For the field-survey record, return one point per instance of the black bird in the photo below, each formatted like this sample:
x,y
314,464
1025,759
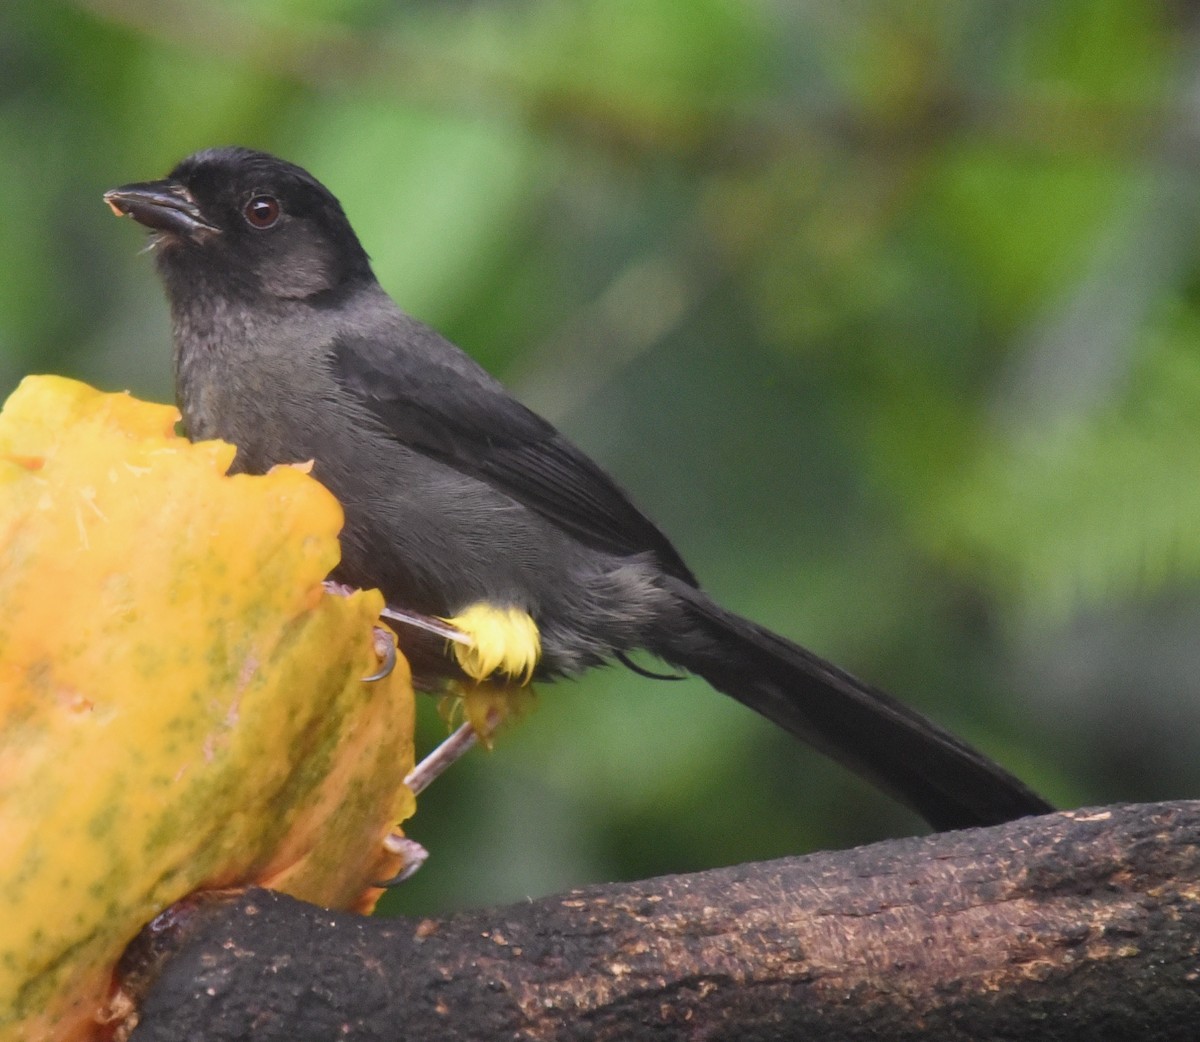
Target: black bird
x,y
458,496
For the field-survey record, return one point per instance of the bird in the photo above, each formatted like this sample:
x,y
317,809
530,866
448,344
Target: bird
x,y
462,503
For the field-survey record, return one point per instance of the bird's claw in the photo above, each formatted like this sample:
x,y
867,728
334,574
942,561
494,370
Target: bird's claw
x,y
414,857
385,648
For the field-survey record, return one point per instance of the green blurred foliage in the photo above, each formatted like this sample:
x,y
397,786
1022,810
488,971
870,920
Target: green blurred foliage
x,y
889,313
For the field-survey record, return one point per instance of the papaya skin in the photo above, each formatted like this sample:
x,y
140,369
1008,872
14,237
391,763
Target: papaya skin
x,y
181,702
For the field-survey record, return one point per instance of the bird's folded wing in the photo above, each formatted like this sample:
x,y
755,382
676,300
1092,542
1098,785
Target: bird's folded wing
x,y
441,404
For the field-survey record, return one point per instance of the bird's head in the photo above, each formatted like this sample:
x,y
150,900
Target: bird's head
x,y
247,225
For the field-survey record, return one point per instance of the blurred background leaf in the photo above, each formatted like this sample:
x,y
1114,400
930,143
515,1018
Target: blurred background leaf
x,y
888,313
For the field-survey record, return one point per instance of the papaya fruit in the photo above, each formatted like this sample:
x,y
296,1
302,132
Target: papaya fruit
x,y
182,702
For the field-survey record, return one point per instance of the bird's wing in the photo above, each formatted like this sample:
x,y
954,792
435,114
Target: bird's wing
x,y
445,406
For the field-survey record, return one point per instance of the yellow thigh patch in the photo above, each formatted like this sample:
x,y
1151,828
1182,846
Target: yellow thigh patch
x,y
503,640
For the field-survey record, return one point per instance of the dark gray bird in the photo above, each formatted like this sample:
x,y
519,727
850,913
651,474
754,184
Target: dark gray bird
x,y
456,495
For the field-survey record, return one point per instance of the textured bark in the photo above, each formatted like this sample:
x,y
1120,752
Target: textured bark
x,y
1082,925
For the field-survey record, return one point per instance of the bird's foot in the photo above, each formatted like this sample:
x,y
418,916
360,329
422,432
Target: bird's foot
x,y
485,714
410,850
384,639
427,623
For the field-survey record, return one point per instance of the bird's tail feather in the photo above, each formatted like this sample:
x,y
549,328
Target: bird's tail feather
x,y
925,767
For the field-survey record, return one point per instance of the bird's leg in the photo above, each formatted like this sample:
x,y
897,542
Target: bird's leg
x,y
428,623
450,751
446,629
486,707
485,713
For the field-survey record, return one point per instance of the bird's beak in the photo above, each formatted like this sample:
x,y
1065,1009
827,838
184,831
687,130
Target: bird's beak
x,y
165,206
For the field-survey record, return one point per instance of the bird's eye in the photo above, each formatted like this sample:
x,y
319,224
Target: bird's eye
x,y
262,211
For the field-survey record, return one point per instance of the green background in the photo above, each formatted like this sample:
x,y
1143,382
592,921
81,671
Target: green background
x,y
889,313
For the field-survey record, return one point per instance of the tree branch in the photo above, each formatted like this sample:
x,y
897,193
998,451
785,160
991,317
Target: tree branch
x,y
1082,925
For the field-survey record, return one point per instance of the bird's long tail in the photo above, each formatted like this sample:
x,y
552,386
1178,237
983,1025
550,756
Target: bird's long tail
x,y
923,766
